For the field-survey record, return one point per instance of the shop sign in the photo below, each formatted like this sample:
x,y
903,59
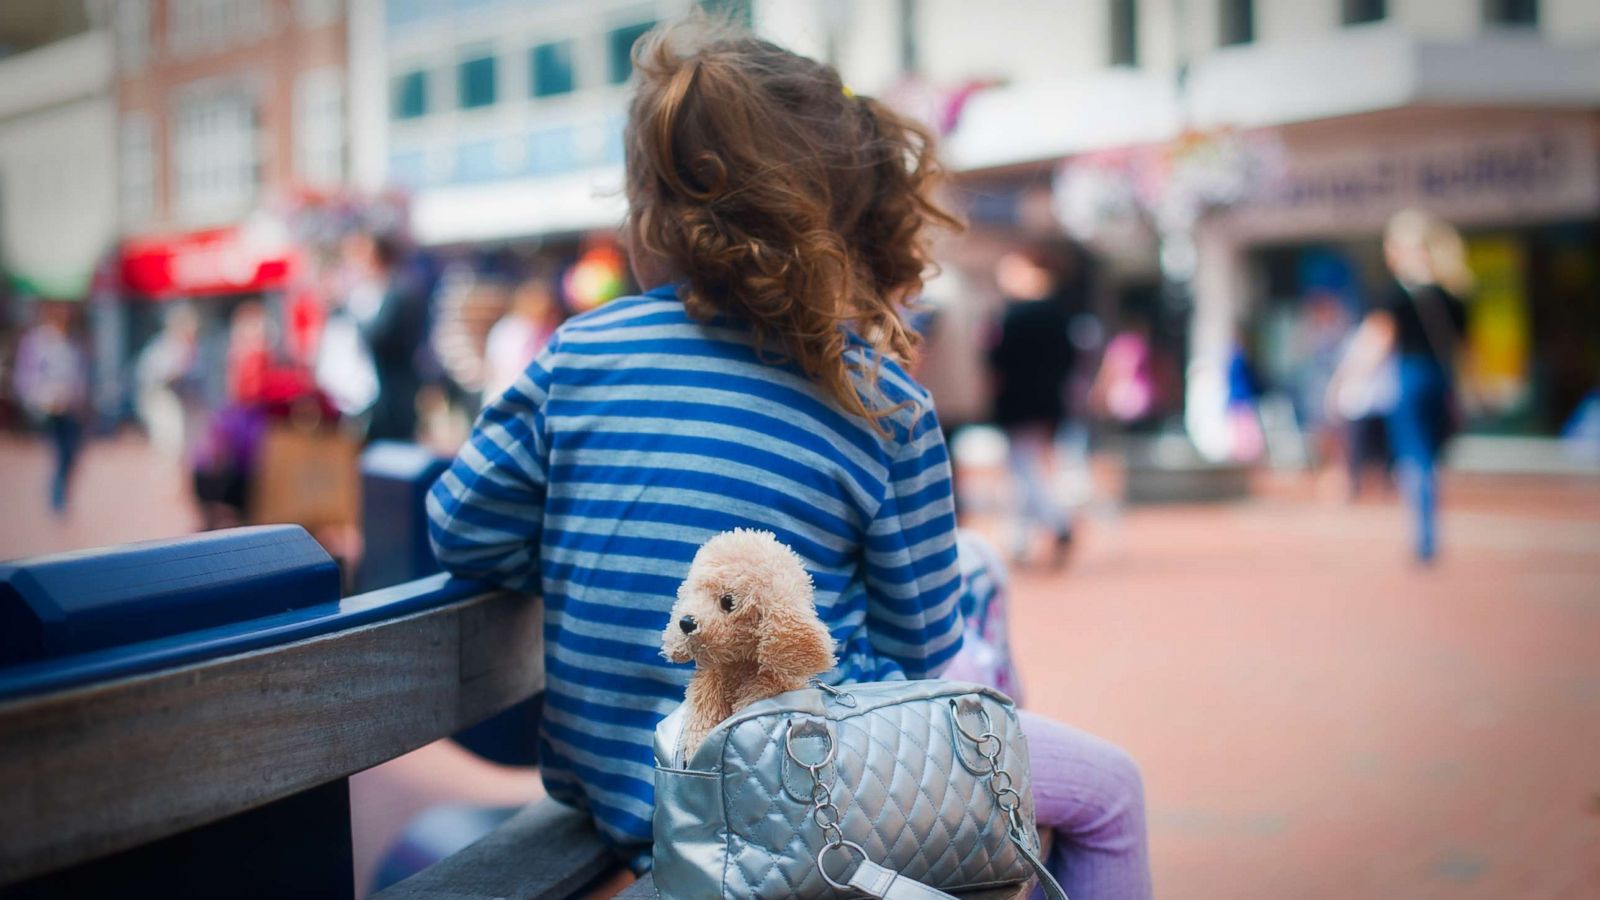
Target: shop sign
x,y
234,260
1470,177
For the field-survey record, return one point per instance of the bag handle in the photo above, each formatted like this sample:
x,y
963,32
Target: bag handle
x,y
878,881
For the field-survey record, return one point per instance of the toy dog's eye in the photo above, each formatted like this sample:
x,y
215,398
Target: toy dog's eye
x,y
727,602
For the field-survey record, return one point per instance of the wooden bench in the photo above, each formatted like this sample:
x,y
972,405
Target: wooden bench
x,y
216,758
207,761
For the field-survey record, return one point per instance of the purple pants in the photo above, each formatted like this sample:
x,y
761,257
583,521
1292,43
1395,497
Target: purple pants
x,y
1085,789
1088,792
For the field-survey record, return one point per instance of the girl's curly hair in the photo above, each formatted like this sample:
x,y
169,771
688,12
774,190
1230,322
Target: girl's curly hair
x,y
781,199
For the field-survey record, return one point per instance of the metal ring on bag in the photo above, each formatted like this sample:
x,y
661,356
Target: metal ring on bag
x,y
988,724
997,787
1000,800
838,845
843,698
788,747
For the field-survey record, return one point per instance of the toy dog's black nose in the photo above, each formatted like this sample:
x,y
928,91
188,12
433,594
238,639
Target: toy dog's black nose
x,y
688,624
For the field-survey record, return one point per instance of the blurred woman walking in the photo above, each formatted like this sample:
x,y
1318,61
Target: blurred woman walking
x,y
1419,323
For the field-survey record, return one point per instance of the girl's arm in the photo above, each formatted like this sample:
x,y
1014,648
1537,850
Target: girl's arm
x,y
486,512
913,579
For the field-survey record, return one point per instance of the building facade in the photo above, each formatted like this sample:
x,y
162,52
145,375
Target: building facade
x,y
1244,146
502,120
224,105
57,157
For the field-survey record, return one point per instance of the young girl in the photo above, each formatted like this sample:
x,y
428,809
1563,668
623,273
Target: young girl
x,y
779,221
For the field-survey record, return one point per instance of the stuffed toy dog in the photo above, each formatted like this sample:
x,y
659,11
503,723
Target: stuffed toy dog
x,y
746,617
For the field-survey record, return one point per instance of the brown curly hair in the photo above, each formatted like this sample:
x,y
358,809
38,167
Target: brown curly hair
x,y
780,198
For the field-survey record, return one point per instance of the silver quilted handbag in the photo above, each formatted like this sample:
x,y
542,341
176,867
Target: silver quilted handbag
x,y
898,789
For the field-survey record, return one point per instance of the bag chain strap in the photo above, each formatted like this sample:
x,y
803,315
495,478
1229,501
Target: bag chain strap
x,y
824,812
827,816
1005,796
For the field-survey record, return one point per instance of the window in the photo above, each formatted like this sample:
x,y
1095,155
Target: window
x,y
908,35
137,169
1357,12
550,69
475,82
132,25
1238,22
411,95
215,153
735,11
620,50
317,13
1511,12
200,27
319,126
1124,32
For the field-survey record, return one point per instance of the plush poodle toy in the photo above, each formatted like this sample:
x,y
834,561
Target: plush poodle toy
x,y
746,617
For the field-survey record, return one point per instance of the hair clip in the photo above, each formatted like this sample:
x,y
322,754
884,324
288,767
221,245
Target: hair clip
x,y
845,89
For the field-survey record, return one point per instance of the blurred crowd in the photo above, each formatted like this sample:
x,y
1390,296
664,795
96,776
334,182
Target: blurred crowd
x,y
267,400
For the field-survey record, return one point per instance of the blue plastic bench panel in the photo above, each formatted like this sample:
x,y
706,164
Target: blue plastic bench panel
x,y
395,479
238,637
71,603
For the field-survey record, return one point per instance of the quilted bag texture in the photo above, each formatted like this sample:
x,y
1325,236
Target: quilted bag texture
x,y
911,789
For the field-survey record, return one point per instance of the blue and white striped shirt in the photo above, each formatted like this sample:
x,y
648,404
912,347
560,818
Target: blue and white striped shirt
x,y
638,434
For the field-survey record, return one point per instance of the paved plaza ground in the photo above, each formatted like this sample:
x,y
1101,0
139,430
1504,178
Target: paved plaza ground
x,y
1315,716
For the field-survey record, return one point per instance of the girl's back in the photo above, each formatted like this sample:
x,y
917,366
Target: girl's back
x,y
638,434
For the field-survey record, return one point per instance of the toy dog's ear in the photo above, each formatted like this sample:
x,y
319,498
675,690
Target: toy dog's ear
x,y
794,644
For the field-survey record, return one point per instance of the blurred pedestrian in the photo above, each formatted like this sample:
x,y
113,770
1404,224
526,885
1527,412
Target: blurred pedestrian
x,y
1317,343
390,310
1125,388
1419,322
52,386
224,454
1031,361
166,376
521,333
249,353
1246,437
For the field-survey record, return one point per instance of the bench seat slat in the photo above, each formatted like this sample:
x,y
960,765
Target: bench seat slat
x,y
544,852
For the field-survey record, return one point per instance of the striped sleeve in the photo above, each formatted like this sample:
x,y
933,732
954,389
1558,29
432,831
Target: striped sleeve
x,y
913,578
486,512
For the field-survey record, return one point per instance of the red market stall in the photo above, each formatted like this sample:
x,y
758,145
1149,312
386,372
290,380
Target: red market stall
x,y
219,261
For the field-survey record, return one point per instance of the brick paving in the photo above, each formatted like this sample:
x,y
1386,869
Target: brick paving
x,y
1315,716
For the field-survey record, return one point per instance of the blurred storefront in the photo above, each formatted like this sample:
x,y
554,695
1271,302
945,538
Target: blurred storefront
x,y
212,272
1256,176
1524,187
229,117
